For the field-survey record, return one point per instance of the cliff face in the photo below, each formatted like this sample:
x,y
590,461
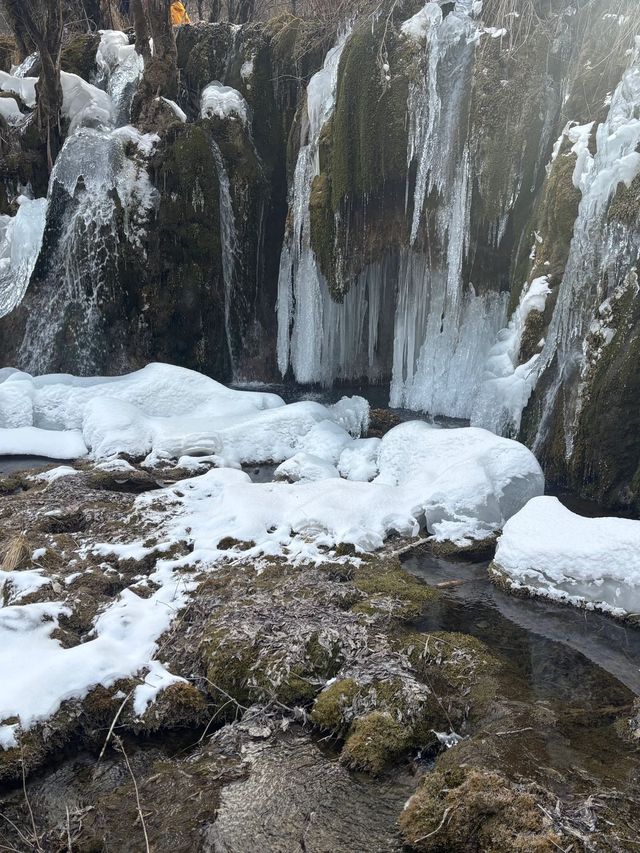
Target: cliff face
x,y
438,197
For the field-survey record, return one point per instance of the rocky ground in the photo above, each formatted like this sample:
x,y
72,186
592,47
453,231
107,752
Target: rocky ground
x,y
313,714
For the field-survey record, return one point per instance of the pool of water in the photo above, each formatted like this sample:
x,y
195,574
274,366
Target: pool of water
x,y
11,464
572,676
555,649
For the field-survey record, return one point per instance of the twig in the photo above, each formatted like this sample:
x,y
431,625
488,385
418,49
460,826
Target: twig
x,y
438,828
120,744
113,723
26,798
69,846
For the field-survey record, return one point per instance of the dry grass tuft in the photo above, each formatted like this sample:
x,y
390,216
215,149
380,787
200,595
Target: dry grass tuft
x,y
17,554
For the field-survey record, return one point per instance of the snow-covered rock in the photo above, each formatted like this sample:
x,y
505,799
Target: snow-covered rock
x,y
593,562
223,102
467,481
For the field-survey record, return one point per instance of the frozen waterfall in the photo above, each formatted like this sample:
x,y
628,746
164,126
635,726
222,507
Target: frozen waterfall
x,y
304,301
410,316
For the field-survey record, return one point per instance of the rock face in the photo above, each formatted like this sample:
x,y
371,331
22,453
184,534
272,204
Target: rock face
x,y
438,199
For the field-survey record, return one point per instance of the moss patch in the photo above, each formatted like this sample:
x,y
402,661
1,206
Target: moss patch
x,y
465,810
373,742
79,55
388,588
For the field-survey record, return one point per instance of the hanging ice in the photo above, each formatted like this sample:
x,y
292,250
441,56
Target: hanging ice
x,y
507,385
303,294
228,240
91,174
20,244
120,69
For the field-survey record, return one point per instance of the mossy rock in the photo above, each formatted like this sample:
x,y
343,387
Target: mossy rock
x,y
374,741
332,703
463,810
625,205
605,464
241,670
79,55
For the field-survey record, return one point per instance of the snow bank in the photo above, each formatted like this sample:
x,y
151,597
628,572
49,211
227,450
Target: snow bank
x,y
38,674
20,244
591,562
465,482
31,441
171,412
223,102
458,483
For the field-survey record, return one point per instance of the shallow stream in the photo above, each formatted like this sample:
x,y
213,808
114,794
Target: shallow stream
x,y
583,667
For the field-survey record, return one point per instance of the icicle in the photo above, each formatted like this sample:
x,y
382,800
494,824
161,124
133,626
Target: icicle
x,y
228,240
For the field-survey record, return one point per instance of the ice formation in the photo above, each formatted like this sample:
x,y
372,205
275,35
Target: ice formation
x,y
120,69
507,384
592,562
303,295
601,252
93,172
20,244
442,330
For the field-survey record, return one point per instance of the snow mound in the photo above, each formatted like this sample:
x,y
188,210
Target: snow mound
x,y
10,111
467,482
592,562
23,87
168,412
31,441
223,102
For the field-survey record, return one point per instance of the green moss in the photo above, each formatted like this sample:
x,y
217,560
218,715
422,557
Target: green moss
x,y
8,53
369,145
463,810
331,704
605,461
625,205
388,587
374,741
79,55
251,669
323,232
229,661
533,332
556,218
